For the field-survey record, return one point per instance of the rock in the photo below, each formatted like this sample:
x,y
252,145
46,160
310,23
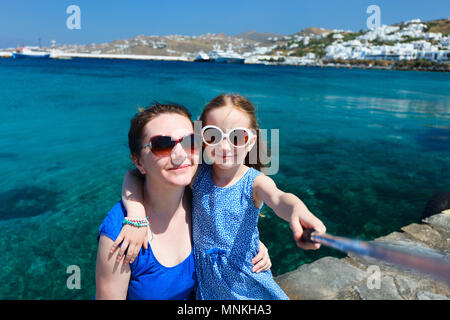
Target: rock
x,y
407,287
322,279
426,295
439,221
424,233
387,290
395,237
350,293
428,235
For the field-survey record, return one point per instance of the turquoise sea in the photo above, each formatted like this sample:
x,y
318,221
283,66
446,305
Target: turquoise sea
x,y
364,149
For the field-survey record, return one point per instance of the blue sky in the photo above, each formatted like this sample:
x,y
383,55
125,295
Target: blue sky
x,y
103,21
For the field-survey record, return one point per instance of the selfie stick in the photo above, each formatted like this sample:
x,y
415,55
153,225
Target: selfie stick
x,y
437,267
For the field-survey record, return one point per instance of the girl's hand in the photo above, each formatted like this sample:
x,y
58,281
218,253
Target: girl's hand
x,y
305,220
262,260
133,239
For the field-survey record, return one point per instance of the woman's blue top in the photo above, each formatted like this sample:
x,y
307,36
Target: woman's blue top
x,y
149,279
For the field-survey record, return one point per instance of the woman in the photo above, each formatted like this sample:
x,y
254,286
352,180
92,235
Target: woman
x,y
165,270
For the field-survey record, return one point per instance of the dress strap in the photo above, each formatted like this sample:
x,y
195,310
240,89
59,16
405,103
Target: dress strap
x,y
252,174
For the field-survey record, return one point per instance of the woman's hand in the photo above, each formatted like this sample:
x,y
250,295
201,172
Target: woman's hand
x,y
133,239
262,260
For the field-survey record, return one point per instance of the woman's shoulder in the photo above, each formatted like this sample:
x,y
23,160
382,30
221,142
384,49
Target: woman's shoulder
x,y
112,224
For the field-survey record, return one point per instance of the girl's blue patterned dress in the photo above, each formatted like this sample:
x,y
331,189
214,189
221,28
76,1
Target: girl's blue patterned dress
x,y
226,239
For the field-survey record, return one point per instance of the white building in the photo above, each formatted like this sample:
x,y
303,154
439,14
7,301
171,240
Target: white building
x,y
445,42
435,55
421,45
310,58
305,41
433,36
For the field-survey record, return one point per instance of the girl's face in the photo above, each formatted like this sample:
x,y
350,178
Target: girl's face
x,y
180,165
225,155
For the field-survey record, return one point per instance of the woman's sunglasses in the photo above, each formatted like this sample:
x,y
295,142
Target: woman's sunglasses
x,y
237,137
162,146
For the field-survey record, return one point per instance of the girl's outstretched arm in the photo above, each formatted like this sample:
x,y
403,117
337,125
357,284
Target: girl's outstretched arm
x,y
288,207
132,238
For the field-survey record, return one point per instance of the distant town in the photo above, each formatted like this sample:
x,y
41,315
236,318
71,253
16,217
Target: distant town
x,y
407,45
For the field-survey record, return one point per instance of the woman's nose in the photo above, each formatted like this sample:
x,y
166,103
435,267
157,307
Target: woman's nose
x,y
178,155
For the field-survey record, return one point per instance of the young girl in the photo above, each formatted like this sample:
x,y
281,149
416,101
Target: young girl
x,y
227,197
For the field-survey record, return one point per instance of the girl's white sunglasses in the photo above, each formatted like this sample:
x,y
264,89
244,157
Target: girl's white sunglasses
x,y
237,137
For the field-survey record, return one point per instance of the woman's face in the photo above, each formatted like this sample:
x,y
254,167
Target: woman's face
x,y
225,155
179,167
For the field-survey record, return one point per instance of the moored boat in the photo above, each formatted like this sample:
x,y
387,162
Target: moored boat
x,y
228,56
26,53
202,57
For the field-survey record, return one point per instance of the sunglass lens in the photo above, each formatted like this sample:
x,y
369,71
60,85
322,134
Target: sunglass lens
x,y
239,137
162,145
212,136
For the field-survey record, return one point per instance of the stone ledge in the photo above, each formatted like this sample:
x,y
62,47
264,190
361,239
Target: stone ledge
x,y
348,278
322,279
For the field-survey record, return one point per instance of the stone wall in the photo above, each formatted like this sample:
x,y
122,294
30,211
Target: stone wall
x,y
350,278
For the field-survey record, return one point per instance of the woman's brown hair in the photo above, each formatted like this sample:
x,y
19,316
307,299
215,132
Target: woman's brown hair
x,y
140,119
248,108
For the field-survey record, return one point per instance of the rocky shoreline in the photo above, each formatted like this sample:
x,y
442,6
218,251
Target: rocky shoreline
x,y
349,278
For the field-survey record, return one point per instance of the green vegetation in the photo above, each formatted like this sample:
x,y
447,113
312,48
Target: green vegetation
x,y
423,65
280,59
300,52
316,46
383,43
410,39
274,59
351,36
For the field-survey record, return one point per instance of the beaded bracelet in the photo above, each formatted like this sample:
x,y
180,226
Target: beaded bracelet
x,y
136,222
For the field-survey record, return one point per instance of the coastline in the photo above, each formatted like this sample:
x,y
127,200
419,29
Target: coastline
x,y
64,56
382,64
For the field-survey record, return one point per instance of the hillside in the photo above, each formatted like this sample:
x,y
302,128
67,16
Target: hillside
x,y
309,40
441,25
257,36
312,31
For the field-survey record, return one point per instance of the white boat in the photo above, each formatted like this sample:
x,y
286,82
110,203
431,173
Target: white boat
x,y
229,56
202,57
24,53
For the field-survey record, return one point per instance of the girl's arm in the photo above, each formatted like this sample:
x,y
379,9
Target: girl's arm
x,y
288,207
133,198
133,238
111,280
